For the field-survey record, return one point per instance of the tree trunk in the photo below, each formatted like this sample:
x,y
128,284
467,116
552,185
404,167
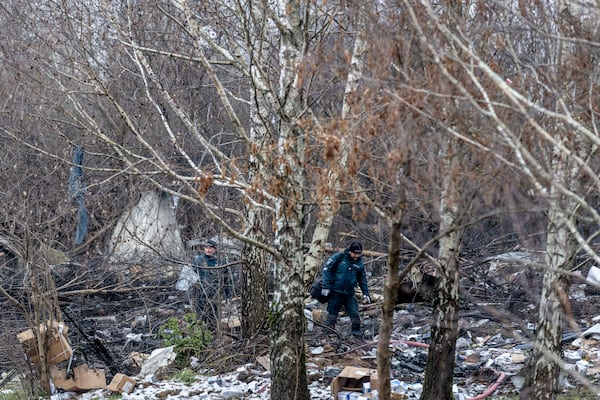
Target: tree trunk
x,y
390,291
288,357
255,302
314,257
254,280
560,251
287,323
439,372
561,241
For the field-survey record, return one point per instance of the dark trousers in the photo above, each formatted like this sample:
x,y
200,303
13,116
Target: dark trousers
x,y
338,300
205,303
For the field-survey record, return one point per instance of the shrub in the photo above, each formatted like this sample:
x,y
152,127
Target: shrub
x,y
188,335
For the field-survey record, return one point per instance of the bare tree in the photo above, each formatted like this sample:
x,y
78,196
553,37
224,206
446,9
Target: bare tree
x,y
469,98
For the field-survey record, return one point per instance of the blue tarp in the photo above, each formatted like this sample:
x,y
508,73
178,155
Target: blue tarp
x,y
76,192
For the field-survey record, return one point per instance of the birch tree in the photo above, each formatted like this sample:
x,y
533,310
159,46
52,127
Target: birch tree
x,y
329,200
567,161
439,372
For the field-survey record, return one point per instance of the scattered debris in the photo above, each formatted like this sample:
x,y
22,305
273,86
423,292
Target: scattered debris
x,y
122,383
497,326
593,276
354,380
7,377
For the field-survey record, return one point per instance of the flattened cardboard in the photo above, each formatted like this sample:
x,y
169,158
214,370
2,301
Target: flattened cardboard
x,y
59,348
352,378
122,383
27,337
83,379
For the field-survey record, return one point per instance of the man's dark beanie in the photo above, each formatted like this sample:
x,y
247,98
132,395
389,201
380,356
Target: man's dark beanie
x,y
355,247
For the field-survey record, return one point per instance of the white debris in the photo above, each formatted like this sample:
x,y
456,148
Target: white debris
x,y
594,330
593,276
158,358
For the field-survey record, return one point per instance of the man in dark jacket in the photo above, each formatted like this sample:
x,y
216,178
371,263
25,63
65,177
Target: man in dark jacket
x,y
207,259
212,278
341,274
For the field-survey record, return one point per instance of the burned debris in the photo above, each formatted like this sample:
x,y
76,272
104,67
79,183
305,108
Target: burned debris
x,y
112,329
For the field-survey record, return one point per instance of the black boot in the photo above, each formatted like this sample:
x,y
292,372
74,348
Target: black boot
x,y
330,324
356,329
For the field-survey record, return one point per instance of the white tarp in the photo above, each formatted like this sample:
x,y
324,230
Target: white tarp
x,y
149,229
160,357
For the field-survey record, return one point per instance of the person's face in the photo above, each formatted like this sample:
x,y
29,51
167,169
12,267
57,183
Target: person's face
x,y
354,256
209,250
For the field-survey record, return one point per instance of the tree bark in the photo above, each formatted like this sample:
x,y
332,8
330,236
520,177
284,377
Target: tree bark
x,y
560,251
327,209
439,372
255,289
288,357
390,292
254,303
287,323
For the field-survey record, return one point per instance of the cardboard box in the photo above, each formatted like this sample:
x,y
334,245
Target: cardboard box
x,y
319,315
122,383
83,379
27,338
59,350
351,379
58,347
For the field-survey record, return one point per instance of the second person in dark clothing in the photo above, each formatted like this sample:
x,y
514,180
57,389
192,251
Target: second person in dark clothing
x,y
214,283
342,272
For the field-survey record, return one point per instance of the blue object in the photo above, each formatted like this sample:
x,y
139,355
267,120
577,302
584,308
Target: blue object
x,y
76,192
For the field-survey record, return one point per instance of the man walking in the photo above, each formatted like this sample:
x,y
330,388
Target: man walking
x,y
342,272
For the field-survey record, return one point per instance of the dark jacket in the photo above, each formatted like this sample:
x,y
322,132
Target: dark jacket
x,y
203,260
210,276
342,274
